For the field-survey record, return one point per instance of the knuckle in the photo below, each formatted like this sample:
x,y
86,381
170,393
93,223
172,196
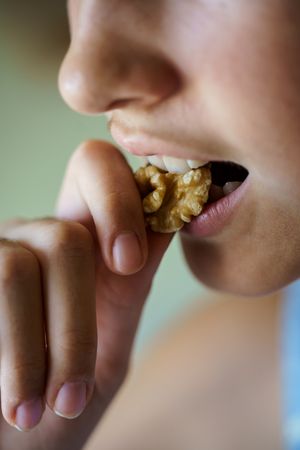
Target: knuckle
x,y
79,341
85,154
118,201
28,373
89,150
69,239
85,151
17,264
78,351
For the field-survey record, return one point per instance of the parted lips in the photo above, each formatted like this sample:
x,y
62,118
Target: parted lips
x,y
170,199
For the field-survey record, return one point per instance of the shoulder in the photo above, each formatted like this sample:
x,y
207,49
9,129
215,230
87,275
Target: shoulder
x,y
215,369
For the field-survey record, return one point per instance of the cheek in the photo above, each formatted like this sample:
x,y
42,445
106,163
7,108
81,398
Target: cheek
x,y
257,253
242,269
251,88
253,104
249,84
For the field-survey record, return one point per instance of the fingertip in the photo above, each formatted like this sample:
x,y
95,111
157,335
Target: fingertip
x,y
128,253
28,414
71,400
24,416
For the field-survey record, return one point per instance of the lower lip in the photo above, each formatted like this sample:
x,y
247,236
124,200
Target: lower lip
x,y
218,215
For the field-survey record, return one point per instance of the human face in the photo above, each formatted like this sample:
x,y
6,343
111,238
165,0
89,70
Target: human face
x,y
209,80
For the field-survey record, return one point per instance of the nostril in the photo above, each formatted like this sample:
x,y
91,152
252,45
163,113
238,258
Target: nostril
x,y
115,104
91,82
87,91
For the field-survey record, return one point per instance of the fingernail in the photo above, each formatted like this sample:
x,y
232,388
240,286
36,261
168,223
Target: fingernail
x,y
127,253
28,414
71,400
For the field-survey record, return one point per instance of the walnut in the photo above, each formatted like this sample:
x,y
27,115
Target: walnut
x,y
169,199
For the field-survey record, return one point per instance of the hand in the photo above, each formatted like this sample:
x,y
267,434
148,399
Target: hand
x,y
80,280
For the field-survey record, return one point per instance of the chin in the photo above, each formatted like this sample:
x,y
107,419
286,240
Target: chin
x,y
238,269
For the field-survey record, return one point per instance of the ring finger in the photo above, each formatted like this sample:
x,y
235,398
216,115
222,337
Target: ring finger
x,y
22,336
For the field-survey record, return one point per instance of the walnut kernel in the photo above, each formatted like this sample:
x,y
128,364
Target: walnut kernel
x,y
169,199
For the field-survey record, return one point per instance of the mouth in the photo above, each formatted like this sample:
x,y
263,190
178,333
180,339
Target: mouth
x,y
230,180
227,176
229,184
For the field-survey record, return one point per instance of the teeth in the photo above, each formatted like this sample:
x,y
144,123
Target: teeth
x,y
157,161
173,165
231,186
194,163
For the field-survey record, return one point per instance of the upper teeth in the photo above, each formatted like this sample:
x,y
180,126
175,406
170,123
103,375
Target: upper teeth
x,y
177,165
174,165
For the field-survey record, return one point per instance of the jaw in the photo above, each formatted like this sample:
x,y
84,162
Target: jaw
x,y
253,255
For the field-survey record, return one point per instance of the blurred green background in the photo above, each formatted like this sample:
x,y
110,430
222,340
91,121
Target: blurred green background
x,y
38,133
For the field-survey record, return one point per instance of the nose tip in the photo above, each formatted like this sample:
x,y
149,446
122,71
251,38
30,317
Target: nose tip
x,y
96,83
77,91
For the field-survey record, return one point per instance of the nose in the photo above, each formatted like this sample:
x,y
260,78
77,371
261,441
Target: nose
x,y
108,73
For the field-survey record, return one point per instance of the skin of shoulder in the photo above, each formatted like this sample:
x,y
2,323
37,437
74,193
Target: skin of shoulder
x,y
211,381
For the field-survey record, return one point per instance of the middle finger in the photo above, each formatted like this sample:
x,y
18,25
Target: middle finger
x,y
66,254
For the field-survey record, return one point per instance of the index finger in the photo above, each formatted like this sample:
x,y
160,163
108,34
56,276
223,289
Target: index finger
x,y
100,192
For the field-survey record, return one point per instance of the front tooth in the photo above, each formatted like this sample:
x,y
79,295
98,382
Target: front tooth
x,y
175,165
231,186
157,161
195,163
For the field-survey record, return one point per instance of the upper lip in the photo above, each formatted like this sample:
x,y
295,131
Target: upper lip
x,y
142,143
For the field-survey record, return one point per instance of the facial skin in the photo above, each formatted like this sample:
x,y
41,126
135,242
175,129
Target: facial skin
x,y
214,80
